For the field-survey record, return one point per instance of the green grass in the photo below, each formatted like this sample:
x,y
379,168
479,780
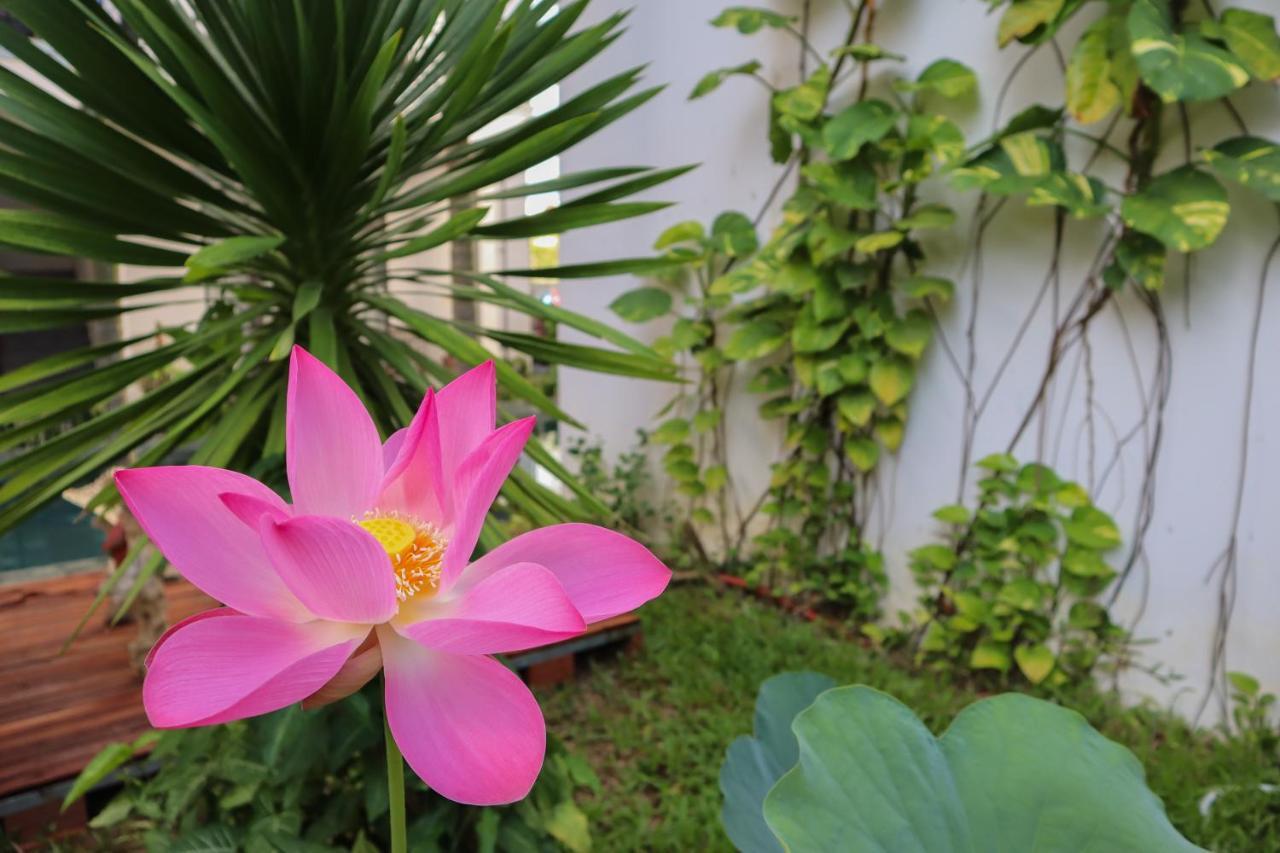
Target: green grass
x,y
654,726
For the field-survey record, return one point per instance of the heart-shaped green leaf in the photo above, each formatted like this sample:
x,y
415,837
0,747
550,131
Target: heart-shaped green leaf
x,y
857,407
642,304
755,340
671,431
712,79
911,334
878,241
805,101
750,19
1185,209
1179,66
689,231
1252,37
1249,161
928,216
1091,92
990,655
1092,528
733,234
851,128
891,379
889,432
952,514
948,78
1142,259
927,286
1023,17
809,335
1036,662
862,452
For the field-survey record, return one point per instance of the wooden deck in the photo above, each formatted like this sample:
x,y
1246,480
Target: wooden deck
x,y
57,711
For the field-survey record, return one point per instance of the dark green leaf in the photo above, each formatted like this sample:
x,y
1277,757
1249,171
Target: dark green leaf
x,y
712,80
232,251
750,19
642,304
1249,161
1185,209
848,130
755,340
946,77
1252,37
1179,66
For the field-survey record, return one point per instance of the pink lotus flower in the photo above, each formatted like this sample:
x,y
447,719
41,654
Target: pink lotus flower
x,y
370,569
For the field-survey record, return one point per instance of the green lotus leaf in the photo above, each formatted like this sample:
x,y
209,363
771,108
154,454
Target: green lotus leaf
x,y
753,764
1011,773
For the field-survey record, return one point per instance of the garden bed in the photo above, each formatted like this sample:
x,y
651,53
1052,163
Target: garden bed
x,y
655,726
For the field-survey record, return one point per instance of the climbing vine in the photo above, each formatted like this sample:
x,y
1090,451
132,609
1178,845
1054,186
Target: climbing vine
x,y
1016,581
1134,71
830,315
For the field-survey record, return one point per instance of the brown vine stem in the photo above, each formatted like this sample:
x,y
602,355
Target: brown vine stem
x,y
1144,142
868,36
850,36
1146,500
1227,562
803,34
1059,230
973,266
1063,336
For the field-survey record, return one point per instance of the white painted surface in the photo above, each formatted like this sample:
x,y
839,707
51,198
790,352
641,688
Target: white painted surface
x,y
1197,474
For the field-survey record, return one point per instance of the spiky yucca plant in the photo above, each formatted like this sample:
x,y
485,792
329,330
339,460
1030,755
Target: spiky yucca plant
x,y
284,151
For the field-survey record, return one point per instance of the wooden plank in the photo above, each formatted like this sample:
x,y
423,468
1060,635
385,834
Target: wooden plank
x,y
57,711
556,663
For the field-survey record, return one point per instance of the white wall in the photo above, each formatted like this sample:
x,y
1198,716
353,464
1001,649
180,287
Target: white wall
x,y
1200,456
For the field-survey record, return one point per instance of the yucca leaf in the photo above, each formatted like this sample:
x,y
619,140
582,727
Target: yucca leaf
x,y
564,182
567,218
631,187
231,251
53,234
17,293
599,269
62,362
572,319
585,357
466,349
282,152
34,319
457,226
